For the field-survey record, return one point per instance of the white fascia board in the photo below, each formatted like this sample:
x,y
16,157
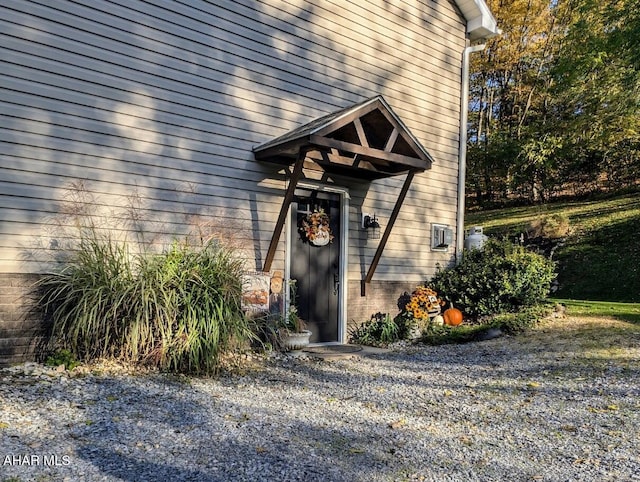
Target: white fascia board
x,y
481,24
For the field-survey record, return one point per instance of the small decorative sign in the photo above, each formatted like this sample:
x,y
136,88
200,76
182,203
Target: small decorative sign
x,y
255,291
276,282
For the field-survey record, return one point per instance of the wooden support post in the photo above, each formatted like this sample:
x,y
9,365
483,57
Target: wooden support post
x,y
387,232
282,217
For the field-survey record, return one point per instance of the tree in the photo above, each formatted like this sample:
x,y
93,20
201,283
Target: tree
x,y
597,85
555,100
509,93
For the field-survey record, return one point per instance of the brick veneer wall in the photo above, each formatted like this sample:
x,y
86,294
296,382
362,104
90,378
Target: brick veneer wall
x,y
381,296
20,328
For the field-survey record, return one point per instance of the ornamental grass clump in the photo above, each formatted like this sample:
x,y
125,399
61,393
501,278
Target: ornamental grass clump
x,y
190,308
178,310
89,300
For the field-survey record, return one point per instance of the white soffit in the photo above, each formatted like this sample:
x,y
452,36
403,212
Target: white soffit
x,y
481,24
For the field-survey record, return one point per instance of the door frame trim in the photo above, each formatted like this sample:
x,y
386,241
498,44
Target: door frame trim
x,y
344,252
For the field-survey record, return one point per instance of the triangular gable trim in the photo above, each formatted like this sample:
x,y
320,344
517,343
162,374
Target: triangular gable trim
x,y
367,136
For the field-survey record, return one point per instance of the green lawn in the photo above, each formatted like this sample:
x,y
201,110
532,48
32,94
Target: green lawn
x,y
601,257
621,311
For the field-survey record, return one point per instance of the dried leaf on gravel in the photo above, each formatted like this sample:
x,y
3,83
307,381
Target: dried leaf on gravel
x,y
398,423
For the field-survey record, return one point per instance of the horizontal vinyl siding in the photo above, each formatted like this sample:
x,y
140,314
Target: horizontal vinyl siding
x,y
223,64
166,100
109,60
407,255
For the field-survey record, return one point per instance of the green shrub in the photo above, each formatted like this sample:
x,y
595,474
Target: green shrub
x,y
62,357
524,319
449,335
508,323
499,277
379,330
553,226
178,310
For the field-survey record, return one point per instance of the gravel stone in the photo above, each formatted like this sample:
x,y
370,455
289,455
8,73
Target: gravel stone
x,y
489,411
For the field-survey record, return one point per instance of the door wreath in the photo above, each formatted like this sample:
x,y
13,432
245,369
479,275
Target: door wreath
x,y
314,228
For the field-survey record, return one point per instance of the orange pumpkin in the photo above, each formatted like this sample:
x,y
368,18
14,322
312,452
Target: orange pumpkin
x,y
453,317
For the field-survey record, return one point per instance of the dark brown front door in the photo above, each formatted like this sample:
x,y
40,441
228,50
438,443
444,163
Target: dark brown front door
x,y
316,268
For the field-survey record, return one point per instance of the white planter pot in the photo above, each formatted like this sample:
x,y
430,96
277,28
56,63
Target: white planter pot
x,y
296,341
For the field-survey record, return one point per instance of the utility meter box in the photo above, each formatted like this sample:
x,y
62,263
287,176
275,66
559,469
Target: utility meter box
x,y
441,237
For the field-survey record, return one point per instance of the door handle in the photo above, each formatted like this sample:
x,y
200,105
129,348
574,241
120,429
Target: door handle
x,y
336,283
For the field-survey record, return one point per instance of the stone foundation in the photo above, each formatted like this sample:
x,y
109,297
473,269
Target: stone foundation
x,y
21,329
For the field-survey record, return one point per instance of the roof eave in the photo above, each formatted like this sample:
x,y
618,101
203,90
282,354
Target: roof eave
x,y
481,24
481,28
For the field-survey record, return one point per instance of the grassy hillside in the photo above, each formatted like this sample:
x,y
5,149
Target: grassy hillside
x,y
600,259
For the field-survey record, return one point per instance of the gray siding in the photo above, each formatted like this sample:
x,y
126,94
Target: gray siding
x,y
166,100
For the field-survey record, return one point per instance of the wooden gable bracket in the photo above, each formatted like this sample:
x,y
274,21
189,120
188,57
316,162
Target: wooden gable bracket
x,y
387,232
284,209
379,154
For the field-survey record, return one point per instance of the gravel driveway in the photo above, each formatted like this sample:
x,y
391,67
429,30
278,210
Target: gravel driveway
x,y
508,409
